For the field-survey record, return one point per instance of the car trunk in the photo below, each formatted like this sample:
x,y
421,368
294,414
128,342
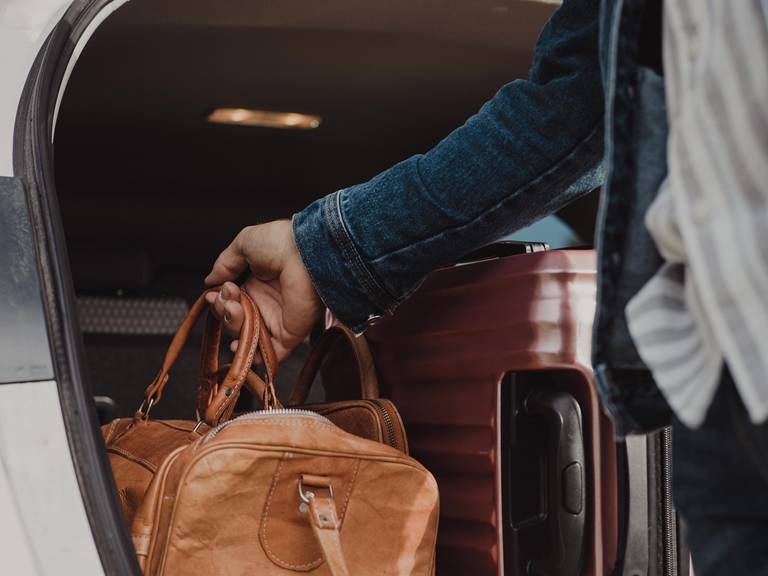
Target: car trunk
x,y
151,192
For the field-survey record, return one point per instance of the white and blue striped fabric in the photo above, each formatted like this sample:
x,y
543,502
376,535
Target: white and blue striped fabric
x,y
709,303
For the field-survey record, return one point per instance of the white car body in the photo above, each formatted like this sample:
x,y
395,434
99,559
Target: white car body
x,y
44,528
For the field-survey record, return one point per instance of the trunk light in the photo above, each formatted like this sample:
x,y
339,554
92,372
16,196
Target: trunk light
x,y
264,118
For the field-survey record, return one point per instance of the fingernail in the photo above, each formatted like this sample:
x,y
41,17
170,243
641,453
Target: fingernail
x,y
227,318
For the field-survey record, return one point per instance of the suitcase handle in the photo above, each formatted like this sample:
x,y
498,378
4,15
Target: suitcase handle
x,y
216,400
565,486
366,369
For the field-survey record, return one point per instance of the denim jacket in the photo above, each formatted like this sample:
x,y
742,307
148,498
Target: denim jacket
x,y
539,143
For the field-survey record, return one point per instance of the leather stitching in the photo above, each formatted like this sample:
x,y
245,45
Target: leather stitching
x,y
264,520
260,326
240,378
122,452
157,511
329,534
184,427
246,367
348,492
110,431
338,518
336,539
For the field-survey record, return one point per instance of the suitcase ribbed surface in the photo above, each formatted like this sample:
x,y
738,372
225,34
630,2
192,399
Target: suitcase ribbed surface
x,y
441,359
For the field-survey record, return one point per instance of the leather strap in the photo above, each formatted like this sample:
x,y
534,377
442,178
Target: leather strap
x,y
325,525
216,398
224,395
210,373
366,369
254,382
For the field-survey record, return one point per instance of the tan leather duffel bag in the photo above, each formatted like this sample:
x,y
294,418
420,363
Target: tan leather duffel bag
x,y
137,446
370,417
286,491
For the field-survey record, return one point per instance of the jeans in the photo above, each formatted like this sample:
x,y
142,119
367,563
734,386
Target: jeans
x,y
720,482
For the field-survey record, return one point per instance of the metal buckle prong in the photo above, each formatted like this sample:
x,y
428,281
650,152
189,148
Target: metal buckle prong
x,y
307,495
145,407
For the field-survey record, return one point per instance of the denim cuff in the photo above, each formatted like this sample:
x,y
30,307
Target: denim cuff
x,y
339,272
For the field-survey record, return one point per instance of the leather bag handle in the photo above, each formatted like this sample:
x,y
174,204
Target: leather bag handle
x,y
366,369
216,399
211,384
255,383
324,521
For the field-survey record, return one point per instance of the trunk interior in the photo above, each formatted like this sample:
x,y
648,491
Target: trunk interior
x,y
151,192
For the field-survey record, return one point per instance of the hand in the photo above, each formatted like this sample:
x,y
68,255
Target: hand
x,y
279,285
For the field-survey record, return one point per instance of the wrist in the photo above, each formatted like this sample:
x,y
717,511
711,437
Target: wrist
x,y
335,267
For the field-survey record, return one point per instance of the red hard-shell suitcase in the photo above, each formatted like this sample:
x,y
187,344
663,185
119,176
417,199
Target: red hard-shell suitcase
x,y
489,365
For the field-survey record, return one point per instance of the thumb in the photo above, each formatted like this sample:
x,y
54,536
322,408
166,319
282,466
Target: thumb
x,y
230,263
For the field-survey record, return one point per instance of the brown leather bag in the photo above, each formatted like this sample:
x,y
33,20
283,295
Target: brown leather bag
x,y
370,417
276,491
286,491
137,446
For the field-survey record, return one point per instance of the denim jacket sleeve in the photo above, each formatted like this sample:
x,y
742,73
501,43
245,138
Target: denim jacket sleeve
x,y
535,146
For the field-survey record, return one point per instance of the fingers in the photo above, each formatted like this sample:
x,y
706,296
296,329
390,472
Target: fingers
x,y
230,263
225,305
278,283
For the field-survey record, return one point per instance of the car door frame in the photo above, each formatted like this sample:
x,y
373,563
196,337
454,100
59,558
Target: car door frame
x,y
33,164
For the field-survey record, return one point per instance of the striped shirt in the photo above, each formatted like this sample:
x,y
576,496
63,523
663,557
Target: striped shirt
x,y
709,303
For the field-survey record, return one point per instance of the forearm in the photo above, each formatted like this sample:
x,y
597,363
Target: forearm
x,y
530,150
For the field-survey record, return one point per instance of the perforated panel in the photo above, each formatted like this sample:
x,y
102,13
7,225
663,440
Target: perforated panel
x,y
136,316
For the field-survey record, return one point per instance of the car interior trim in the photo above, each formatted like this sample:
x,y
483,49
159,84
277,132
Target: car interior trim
x,y
24,352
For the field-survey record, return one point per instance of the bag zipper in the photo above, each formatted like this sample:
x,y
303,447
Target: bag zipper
x,y
388,423
264,414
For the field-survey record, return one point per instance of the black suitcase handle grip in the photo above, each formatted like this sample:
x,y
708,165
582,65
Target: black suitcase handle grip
x,y
565,490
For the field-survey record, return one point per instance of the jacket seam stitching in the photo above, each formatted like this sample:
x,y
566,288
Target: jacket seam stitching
x,y
307,267
372,286
584,143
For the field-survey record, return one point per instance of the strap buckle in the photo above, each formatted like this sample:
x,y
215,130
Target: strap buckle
x,y
307,495
145,407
